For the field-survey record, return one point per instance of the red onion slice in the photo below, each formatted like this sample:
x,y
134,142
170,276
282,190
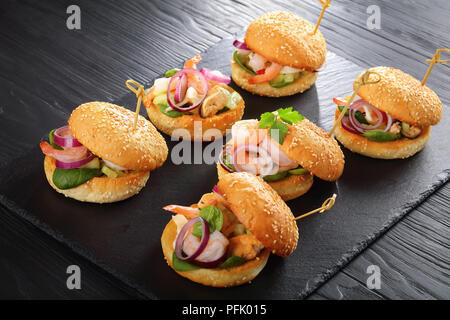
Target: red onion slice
x,y
346,124
240,45
114,166
63,138
180,91
74,164
180,239
209,74
215,189
390,121
361,127
180,106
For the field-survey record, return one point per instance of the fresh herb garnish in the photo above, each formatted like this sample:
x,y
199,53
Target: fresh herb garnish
x,y
360,117
232,261
213,217
171,72
290,116
341,108
71,178
239,60
180,265
276,122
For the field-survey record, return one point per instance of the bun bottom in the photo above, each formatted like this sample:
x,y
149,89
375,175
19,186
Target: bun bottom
x,y
288,188
101,189
240,77
397,149
228,277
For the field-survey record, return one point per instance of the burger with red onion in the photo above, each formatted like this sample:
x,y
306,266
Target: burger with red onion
x,y
389,119
283,148
226,238
279,56
189,97
98,157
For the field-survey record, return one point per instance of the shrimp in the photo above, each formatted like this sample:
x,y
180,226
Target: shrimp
x,y
278,156
214,250
188,212
271,72
192,62
66,155
245,246
253,162
247,132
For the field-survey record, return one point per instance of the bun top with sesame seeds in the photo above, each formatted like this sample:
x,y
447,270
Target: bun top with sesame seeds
x,y
261,210
287,39
403,97
107,131
314,149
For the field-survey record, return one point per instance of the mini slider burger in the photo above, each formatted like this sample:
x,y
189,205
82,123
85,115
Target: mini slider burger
x,y
280,55
226,239
186,97
389,119
98,157
283,148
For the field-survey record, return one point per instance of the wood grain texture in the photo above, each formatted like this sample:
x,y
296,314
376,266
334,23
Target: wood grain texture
x,y
44,65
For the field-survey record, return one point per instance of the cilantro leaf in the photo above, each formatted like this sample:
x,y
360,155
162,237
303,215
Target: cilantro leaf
x,y
278,130
267,120
290,116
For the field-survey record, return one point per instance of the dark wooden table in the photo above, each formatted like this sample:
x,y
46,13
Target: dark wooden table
x,y
45,65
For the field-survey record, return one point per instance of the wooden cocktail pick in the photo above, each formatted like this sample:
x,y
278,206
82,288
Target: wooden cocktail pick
x,y
327,205
325,4
436,59
362,81
138,89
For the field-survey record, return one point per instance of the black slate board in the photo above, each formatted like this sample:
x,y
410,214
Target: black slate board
x,y
124,237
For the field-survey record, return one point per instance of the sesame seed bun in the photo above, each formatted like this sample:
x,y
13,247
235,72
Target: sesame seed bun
x,y
261,210
288,188
316,151
303,83
221,121
397,149
106,130
101,189
287,39
403,97
216,277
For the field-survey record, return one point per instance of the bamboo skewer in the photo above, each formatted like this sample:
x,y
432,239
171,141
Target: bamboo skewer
x,y
327,205
138,89
325,4
436,59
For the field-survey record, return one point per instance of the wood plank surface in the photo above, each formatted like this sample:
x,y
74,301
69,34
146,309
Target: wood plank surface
x,y
45,65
